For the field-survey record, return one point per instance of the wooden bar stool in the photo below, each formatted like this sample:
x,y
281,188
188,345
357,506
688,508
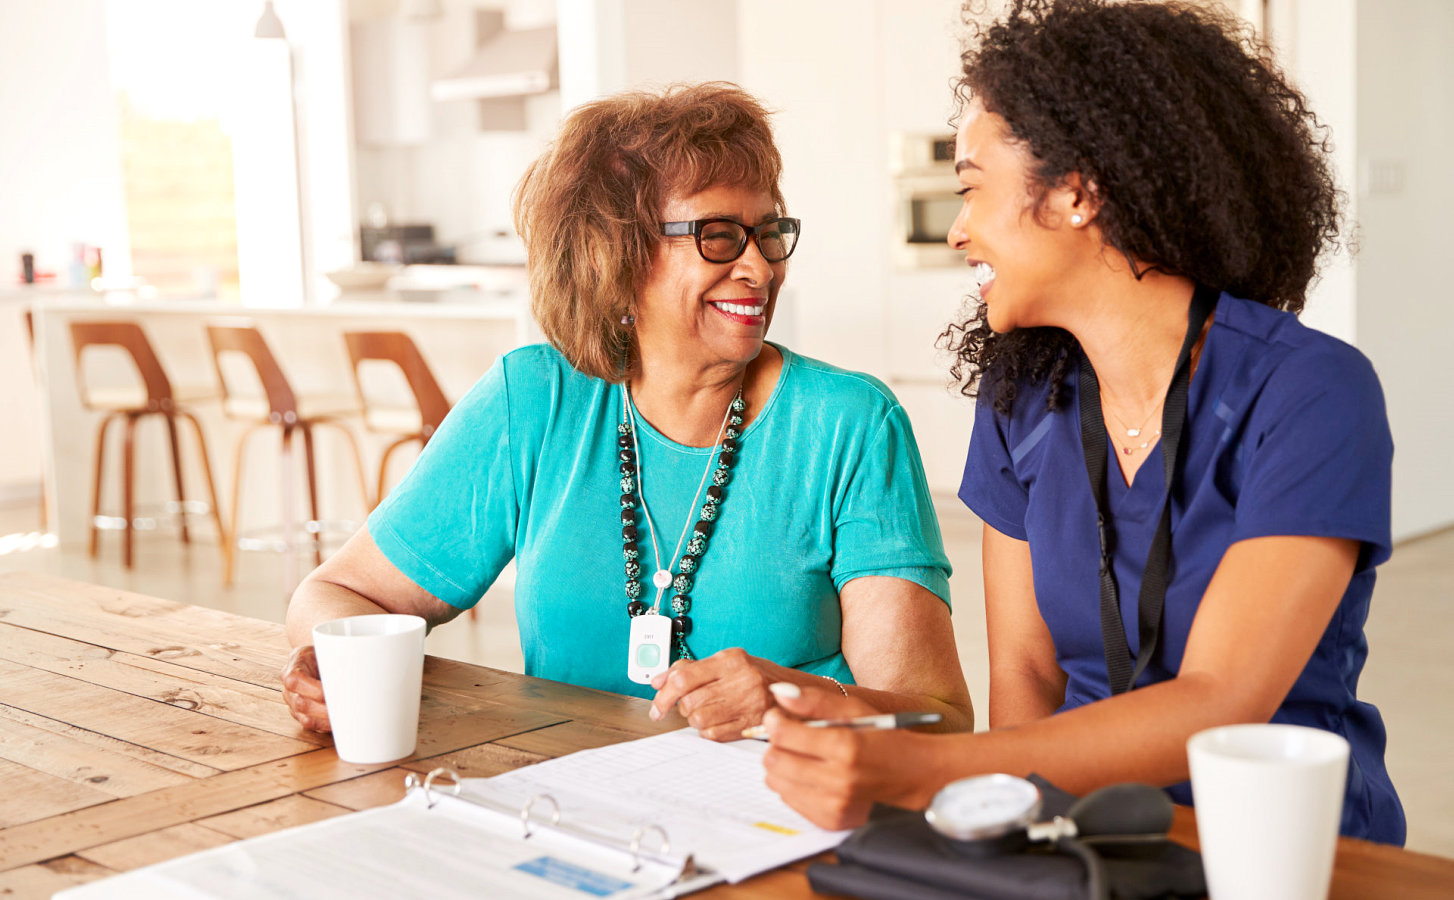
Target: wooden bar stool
x,y
280,407
156,398
406,423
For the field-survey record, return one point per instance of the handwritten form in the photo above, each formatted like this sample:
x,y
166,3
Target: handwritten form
x,y
709,798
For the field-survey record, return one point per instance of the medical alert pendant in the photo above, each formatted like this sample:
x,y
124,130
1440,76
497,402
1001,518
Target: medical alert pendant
x,y
649,652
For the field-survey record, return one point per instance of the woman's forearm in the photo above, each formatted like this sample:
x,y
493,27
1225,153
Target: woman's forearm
x,y
958,713
1018,697
317,601
1138,736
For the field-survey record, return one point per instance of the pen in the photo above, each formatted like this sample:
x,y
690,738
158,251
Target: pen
x,y
880,722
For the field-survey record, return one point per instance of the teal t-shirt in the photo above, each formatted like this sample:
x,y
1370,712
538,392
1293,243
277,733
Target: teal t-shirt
x,y
827,487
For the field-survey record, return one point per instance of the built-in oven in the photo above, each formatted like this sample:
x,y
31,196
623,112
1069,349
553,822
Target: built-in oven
x,y
925,199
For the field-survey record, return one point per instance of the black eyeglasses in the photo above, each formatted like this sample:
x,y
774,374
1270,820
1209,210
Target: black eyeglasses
x,y
724,241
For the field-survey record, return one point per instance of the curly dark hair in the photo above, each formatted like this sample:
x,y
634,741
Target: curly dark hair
x,y
1206,163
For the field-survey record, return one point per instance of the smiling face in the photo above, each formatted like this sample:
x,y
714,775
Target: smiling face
x,y
1024,262
703,313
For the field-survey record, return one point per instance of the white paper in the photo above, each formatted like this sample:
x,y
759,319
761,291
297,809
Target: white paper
x,y
453,850
709,797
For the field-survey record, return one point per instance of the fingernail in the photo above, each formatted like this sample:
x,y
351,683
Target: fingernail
x,y
655,714
785,690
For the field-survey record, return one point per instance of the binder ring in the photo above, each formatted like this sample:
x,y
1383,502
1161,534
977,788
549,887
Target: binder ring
x,y
412,781
640,833
525,812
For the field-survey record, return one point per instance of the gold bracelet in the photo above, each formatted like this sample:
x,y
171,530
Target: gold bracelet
x,y
836,683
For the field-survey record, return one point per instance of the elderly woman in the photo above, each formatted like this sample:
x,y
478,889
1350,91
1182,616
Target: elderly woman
x,y
659,461
1185,491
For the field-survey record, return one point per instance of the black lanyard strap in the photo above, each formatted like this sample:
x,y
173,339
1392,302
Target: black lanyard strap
x,y
1119,672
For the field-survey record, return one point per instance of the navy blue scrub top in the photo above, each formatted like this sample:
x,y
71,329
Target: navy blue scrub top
x,y
1286,435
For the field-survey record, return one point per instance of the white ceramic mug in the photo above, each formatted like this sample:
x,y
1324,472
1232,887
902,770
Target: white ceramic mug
x,y
1268,802
372,669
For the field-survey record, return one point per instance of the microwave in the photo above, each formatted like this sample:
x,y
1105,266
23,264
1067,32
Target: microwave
x,y
926,200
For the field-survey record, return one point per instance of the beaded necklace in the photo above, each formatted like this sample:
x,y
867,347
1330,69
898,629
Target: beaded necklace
x,y
631,496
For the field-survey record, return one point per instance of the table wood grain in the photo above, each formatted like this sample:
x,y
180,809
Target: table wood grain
x,y
134,730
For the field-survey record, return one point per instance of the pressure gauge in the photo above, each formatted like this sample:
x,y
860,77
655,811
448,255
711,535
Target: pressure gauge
x,y
984,807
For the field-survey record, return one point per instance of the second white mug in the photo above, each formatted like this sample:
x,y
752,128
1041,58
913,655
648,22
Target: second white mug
x,y
1269,799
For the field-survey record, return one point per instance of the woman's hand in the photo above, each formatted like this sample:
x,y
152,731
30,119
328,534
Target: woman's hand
x,y
303,691
833,776
719,695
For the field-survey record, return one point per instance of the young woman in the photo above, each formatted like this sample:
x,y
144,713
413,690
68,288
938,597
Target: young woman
x,y
1185,491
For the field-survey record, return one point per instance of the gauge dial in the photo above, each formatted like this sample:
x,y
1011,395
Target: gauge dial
x,y
985,806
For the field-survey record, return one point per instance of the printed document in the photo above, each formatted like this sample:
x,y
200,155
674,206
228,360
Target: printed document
x,y
705,800
709,798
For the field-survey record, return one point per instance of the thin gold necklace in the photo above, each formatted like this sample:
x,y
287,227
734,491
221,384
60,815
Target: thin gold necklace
x,y
1133,433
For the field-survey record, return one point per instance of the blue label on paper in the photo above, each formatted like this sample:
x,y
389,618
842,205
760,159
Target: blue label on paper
x,y
558,871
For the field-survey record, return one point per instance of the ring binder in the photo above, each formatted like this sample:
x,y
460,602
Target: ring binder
x,y
636,845
684,866
525,812
725,828
411,781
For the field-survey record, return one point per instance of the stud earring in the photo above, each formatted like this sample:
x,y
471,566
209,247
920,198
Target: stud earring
x,y
1076,218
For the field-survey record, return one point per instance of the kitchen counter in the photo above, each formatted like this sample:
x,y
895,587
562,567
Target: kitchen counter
x,y
20,408
494,305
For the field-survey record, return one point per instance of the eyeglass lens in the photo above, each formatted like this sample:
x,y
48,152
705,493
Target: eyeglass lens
x,y
725,241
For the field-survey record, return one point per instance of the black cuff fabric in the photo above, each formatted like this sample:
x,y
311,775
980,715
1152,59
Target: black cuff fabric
x,y
898,856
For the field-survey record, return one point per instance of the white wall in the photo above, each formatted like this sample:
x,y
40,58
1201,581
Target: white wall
x,y
60,177
1405,311
318,35
843,76
60,159
613,45
1316,42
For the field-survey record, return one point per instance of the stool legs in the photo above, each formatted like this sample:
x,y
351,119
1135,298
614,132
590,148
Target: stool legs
x,y
94,546
384,465
358,466
128,484
287,474
128,481
312,473
229,559
177,475
223,537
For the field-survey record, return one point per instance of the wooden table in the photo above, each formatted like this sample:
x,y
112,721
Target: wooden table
x,y
134,730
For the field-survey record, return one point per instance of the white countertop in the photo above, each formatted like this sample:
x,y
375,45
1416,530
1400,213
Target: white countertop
x,y
491,306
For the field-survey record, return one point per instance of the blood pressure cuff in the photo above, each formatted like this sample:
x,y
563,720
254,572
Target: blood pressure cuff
x,y
898,856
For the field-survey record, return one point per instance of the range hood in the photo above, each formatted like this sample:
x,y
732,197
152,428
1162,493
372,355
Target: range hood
x,y
505,64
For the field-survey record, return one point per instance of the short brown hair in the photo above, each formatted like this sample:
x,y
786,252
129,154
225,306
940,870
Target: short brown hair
x,y
589,208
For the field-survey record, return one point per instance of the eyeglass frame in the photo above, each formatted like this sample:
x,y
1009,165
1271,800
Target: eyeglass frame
x,y
694,228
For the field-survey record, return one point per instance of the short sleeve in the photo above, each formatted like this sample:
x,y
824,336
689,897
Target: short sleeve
x,y
450,525
990,487
1319,455
884,522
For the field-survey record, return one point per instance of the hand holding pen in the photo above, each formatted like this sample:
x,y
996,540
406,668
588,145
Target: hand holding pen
x,y
834,775
879,722
850,713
